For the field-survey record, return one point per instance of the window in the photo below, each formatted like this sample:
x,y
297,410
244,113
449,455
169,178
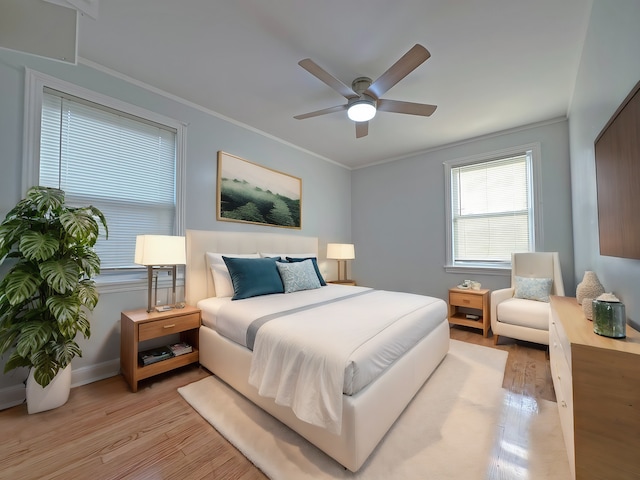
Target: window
x,y
108,154
490,209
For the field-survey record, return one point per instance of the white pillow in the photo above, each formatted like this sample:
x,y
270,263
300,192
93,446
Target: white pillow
x,y
221,278
285,255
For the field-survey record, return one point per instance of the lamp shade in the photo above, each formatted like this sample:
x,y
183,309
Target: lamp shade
x,y
160,250
341,251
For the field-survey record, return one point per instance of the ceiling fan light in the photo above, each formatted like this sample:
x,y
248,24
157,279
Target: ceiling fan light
x,y
361,111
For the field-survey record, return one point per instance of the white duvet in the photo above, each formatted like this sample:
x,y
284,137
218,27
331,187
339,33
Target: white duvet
x,y
300,358
401,320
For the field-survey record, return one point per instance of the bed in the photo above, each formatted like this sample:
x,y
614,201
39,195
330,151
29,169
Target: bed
x,y
368,409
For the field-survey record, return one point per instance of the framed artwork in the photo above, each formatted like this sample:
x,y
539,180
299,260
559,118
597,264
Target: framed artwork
x,y
251,193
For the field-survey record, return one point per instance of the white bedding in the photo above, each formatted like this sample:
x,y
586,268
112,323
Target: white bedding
x,y
376,328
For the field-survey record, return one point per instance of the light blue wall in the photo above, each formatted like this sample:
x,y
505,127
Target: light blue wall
x,y
609,69
326,195
399,213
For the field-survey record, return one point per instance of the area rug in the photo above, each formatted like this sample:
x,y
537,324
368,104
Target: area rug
x,y
454,428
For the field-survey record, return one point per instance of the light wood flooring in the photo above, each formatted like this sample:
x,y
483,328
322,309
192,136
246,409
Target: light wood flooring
x,y
106,432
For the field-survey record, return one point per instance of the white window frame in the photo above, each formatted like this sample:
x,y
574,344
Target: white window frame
x,y
487,268
35,82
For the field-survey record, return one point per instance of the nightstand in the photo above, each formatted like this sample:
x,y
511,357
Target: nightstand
x,y
343,282
139,325
474,302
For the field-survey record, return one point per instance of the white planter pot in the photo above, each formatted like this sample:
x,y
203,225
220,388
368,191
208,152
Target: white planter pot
x,y
52,396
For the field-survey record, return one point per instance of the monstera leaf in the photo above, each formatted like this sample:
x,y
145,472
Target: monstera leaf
x,y
61,275
43,200
80,225
35,335
20,284
88,293
38,246
88,260
65,310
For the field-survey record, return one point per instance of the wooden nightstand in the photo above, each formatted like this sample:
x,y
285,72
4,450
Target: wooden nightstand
x,y
475,302
343,282
139,325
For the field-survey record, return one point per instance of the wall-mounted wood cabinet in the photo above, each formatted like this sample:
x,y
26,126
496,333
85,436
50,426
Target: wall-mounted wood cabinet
x,y
617,151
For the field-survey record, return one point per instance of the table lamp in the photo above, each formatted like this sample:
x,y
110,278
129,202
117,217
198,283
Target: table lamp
x,y
160,252
341,252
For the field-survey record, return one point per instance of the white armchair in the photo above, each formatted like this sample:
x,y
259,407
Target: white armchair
x,y
521,318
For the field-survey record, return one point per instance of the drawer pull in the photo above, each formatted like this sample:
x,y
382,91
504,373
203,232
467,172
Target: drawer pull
x,y
563,403
169,326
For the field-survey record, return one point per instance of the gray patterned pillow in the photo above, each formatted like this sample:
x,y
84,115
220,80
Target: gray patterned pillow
x,y
533,288
298,276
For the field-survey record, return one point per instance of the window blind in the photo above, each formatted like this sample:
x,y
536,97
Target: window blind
x,y
491,210
121,164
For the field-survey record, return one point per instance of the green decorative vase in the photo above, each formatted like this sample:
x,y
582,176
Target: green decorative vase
x,y
609,319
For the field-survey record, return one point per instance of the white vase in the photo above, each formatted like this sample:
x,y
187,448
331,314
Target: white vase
x,y
587,308
40,399
589,287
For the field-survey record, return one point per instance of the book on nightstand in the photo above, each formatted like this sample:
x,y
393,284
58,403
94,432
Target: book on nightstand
x,y
155,355
181,348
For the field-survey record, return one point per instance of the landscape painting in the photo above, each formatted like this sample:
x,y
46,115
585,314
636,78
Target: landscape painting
x,y
251,193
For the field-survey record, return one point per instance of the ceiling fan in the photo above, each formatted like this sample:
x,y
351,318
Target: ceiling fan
x,y
363,98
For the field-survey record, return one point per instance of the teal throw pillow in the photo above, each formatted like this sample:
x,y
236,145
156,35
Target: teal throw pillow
x,y
253,276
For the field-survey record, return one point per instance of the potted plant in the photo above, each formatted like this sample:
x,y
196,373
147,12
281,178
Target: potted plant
x,y
48,292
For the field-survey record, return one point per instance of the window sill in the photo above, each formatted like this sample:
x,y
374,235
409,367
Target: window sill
x,y
129,282
479,269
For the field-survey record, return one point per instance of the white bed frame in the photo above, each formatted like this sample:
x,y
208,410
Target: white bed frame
x,y
366,416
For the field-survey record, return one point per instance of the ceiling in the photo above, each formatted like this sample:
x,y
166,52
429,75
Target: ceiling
x,y
495,64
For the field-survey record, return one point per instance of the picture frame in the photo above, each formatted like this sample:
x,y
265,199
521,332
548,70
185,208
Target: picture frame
x,y
251,193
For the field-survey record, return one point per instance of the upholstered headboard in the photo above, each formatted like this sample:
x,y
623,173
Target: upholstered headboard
x,y
198,279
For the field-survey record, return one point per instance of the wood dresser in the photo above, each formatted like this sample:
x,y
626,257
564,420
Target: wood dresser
x,y
597,384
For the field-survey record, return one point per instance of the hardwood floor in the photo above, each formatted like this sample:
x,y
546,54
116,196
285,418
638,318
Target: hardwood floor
x,y
106,432
527,372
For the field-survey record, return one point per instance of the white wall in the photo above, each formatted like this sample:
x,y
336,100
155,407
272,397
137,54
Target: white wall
x,y
399,213
609,69
326,196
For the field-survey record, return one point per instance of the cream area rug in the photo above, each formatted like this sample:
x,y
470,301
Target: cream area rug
x,y
456,427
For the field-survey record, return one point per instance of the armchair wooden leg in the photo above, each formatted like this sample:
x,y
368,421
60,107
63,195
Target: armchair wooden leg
x,y
495,339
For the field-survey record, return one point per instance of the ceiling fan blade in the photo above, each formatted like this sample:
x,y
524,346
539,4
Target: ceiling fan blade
x,y
324,111
397,106
317,71
403,67
362,129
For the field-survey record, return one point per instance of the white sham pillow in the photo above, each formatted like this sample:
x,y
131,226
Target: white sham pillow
x,y
284,255
220,272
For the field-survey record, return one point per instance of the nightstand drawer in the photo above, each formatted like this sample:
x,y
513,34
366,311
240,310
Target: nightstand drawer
x,y
465,300
168,326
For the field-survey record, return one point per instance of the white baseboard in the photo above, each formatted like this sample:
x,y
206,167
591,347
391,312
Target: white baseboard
x,y
12,396
93,373
15,394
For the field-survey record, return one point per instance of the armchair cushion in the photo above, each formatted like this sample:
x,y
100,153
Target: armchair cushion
x,y
533,288
525,313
